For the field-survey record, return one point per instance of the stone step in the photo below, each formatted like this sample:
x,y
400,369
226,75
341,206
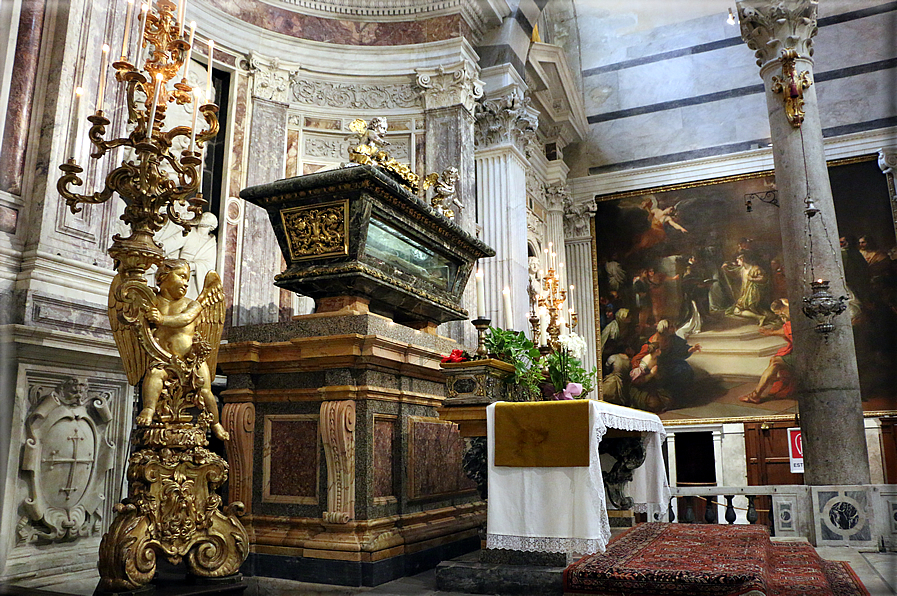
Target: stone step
x,y
730,367
761,347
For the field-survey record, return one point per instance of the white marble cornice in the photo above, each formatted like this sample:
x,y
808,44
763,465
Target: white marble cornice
x,y
446,86
555,87
771,26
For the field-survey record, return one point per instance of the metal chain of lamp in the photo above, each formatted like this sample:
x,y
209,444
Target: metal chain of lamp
x,y
820,306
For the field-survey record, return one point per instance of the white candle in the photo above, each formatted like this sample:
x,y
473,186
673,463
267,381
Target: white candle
x,y
144,8
572,308
509,318
152,118
202,159
481,295
181,10
193,126
550,252
124,42
101,90
209,77
190,49
73,130
543,326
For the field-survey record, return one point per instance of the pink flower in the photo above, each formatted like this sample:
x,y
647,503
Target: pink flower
x,y
569,392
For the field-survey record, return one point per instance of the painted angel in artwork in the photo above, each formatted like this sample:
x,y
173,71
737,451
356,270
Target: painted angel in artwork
x,y
173,346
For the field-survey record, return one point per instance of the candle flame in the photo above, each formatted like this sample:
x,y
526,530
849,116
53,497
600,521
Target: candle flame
x,y
105,48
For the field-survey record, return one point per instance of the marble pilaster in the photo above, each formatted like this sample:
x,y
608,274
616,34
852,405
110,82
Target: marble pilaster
x,y
505,126
18,115
578,254
831,412
449,96
257,299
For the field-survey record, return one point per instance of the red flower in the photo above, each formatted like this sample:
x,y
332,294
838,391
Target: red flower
x,y
455,356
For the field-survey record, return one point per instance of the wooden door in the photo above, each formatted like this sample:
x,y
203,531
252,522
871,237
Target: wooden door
x,y
889,448
766,444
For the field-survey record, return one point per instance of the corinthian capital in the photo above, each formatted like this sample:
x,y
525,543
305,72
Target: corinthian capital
x,y
450,86
771,26
557,197
576,218
887,160
270,77
505,120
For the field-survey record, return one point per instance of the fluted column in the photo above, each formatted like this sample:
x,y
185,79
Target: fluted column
x,y
503,129
555,199
831,412
578,254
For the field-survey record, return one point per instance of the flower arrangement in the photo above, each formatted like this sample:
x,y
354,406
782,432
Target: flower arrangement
x,y
548,377
456,356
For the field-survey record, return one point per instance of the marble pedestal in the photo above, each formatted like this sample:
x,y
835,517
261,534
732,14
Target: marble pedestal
x,y
348,474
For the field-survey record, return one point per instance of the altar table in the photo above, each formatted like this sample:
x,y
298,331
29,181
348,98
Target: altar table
x,y
563,509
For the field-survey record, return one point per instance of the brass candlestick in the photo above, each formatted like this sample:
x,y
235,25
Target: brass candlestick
x,y
552,299
534,323
168,343
481,325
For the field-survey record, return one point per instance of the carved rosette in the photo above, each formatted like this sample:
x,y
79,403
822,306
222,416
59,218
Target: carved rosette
x,y
338,438
576,218
770,28
443,87
507,120
65,460
239,420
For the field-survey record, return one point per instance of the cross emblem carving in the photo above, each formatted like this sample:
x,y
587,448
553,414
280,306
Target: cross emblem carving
x,y
73,461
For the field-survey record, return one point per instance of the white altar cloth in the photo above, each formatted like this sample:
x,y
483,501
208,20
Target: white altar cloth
x,y
563,509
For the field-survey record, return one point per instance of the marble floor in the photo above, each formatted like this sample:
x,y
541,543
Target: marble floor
x,y
877,571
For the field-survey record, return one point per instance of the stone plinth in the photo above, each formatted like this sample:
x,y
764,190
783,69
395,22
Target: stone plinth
x,y
350,475
358,232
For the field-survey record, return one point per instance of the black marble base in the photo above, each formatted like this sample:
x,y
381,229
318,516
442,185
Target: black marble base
x,y
164,584
354,573
470,576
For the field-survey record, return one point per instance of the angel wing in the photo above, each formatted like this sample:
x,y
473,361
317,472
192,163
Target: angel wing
x,y
429,180
211,319
123,317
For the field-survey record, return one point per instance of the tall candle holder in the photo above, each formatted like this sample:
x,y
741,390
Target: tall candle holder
x,y
552,298
481,325
168,343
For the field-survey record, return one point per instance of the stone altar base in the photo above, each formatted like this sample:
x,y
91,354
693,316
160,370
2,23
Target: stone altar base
x,y
348,474
503,571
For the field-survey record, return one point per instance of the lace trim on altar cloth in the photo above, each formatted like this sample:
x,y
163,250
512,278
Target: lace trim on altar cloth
x,y
546,545
634,424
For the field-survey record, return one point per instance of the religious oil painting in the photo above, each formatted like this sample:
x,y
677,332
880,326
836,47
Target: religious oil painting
x,y
693,307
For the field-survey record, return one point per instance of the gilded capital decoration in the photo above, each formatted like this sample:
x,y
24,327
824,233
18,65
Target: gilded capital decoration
x,y
576,218
65,460
791,87
507,120
338,437
446,86
772,27
168,342
270,80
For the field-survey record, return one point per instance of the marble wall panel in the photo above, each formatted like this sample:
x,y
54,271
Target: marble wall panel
x,y
290,459
67,315
292,164
315,28
9,219
434,459
384,443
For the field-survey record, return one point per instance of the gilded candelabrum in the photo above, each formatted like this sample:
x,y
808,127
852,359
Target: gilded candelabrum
x,y
552,298
168,343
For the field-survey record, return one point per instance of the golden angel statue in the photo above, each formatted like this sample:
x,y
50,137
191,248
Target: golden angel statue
x,y
169,347
444,195
369,135
178,341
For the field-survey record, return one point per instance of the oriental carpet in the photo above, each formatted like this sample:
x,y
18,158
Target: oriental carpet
x,y
659,559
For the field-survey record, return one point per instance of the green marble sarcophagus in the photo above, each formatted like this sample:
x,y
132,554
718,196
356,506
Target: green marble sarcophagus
x,y
357,232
